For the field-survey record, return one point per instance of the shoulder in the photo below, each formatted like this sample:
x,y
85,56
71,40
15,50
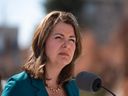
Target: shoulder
x,y
20,76
16,84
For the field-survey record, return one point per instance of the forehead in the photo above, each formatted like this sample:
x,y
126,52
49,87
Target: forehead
x,y
63,28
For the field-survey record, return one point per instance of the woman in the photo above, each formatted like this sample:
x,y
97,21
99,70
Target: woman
x,y
49,70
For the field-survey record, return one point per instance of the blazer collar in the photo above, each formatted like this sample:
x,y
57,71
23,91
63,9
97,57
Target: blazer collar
x,y
40,86
70,89
41,90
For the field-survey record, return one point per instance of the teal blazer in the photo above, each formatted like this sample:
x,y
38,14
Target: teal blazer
x,y
23,85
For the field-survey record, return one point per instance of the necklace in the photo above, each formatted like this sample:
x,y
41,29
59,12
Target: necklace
x,y
54,90
57,90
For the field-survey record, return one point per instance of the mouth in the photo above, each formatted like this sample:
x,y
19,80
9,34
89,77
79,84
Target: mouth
x,y
63,54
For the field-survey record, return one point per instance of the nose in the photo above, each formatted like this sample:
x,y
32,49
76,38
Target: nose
x,y
65,44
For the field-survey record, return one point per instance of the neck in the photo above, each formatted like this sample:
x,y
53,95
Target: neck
x,y
52,73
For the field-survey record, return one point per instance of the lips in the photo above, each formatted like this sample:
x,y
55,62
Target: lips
x,y
64,54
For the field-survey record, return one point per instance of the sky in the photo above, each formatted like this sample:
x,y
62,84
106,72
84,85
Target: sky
x,y
24,14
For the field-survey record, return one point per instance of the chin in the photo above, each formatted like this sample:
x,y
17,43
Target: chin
x,y
64,62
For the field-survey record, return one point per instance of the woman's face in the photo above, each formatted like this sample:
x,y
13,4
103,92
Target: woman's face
x,y
61,44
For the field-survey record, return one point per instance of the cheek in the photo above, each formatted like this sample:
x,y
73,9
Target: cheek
x,y
73,49
51,48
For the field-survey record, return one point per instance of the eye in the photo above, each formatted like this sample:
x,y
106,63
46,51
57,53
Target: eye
x,y
58,37
72,40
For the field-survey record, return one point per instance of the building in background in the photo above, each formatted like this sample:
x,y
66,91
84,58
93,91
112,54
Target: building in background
x,y
10,55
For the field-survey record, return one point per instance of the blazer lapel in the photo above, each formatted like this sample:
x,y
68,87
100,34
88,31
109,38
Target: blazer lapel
x,y
68,89
71,89
40,86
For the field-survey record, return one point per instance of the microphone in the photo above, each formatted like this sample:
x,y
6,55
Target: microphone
x,y
88,81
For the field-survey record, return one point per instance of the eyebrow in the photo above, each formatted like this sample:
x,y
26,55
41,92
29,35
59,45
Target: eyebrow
x,y
72,36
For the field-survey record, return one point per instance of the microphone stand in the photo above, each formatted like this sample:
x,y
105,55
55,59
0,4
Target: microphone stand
x,y
108,90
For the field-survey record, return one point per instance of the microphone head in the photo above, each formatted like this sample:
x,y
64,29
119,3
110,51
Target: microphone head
x,y
88,81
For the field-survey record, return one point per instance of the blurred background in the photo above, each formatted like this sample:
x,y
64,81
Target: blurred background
x,y
104,29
